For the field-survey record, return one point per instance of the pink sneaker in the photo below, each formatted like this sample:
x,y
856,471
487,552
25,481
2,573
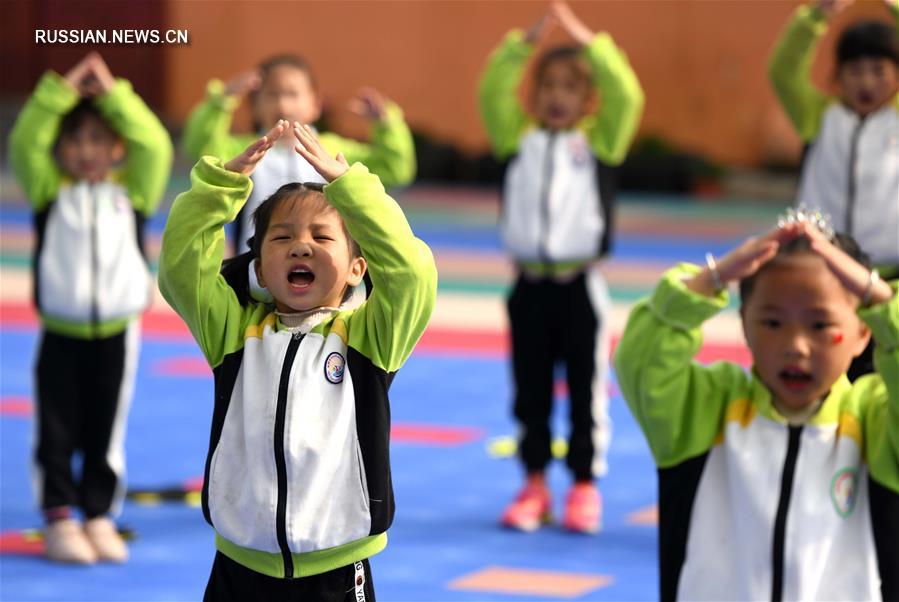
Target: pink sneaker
x,y
583,509
529,511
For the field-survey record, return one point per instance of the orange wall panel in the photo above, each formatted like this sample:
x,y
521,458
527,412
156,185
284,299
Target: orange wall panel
x,y
703,64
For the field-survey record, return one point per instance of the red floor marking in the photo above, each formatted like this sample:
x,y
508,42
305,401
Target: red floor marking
x,y
648,516
163,325
442,436
29,543
194,484
552,584
182,366
15,406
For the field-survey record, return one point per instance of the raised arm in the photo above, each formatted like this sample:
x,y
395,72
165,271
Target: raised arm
x,y
388,325
34,134
208,128
613,128
391,153
193,247
791,66
504,117
148,161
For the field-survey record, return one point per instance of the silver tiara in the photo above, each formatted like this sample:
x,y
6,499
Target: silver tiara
x,y
813,216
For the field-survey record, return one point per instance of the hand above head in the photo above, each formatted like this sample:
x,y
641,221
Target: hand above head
x,y
831,8
246,162
855,277
742,262
100,80
243,83
543,25
573,26
368,104
90,77
311,149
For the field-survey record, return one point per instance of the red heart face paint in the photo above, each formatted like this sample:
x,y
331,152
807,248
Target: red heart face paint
x,y
837,338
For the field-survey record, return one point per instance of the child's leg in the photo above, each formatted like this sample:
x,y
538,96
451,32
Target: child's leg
x,y
57,374
60,364
231,581
586,356
532,318
108,388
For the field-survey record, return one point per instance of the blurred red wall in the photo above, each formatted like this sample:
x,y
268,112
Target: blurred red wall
x,y
703,64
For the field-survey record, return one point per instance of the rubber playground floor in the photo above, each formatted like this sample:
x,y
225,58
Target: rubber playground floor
x,y
453,436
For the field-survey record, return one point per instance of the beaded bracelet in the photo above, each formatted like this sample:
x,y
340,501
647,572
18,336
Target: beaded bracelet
x,y
873,279
713,270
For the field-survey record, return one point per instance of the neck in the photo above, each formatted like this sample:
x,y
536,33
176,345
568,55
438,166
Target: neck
x,y
306,320
797,416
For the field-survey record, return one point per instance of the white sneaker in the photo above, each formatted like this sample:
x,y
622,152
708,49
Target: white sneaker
x,y
105,539
64,541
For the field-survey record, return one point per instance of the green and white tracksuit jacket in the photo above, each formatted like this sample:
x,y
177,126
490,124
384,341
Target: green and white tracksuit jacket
x,y
297,479
390,155
851,170
91,278
751,508
557,211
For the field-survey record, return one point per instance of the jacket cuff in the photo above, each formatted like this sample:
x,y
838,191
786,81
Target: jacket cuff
x,y
54,93
883,320
215,94
680,307
116,95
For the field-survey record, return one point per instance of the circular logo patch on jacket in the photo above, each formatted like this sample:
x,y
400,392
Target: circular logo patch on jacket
x,y
334,367
843,489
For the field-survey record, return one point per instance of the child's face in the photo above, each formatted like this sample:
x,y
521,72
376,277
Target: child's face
x,y
562,95
90,151
868,83
287,93
306,260
801,326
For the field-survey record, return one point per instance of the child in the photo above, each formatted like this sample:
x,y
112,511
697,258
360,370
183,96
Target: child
x,y
91,284
782,483
303,373
557,222
851,168
284,87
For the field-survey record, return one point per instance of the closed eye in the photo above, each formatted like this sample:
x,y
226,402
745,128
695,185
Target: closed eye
x,y
770,323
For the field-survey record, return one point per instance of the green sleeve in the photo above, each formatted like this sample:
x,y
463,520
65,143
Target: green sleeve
x,y
503,115
391,153
34,134
678,403
881,418
612,130
790,71
148,160
190,260
208,128
388,325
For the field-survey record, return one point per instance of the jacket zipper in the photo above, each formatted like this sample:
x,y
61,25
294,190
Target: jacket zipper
x,y
95,259
548,168
281,456
850,187
780,519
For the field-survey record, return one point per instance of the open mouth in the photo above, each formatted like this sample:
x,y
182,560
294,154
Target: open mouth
x,y
795,378
300,277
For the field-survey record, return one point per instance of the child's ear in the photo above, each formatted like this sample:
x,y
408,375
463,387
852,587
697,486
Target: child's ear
x,y
257,267
118,151
358,266
864,337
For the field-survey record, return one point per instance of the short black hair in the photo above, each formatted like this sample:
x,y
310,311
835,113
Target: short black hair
x,y
868,39
801,245
81,112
